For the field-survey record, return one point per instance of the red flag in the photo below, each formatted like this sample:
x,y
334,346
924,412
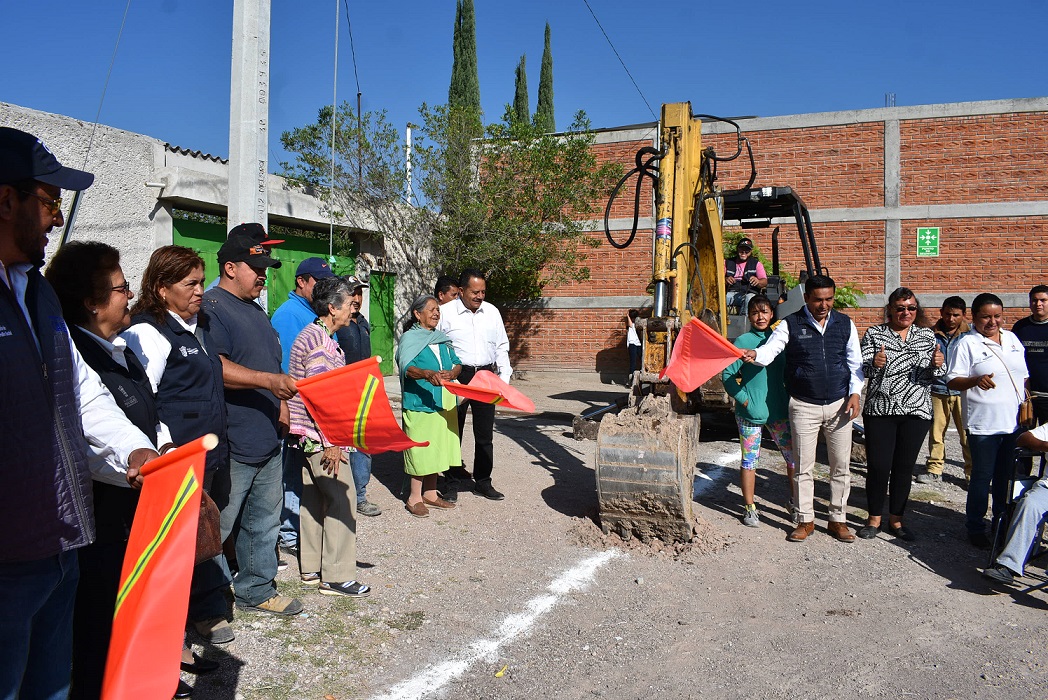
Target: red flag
x,y
699,352
150,618
487,387
350,407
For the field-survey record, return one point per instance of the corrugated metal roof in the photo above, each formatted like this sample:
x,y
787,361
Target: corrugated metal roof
x,y
194,154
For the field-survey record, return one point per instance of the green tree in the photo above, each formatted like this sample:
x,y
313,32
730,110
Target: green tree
x,y
465,81
521,109
513,204
544,118
455,90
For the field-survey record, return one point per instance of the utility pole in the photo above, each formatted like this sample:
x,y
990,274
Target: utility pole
x,y
249,115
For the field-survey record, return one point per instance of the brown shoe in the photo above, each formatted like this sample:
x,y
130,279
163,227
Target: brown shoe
x,y
419,510
840,532
438,502
801,532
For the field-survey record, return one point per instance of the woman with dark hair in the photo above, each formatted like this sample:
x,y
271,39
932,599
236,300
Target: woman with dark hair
x,y
94,295
327,537
901,360
989,367
170,336
427,360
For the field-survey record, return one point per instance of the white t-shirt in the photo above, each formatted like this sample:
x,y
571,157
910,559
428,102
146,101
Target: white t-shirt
x,y
989,411
631,336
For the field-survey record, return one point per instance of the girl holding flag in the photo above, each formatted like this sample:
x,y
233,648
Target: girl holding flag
x,y
760,400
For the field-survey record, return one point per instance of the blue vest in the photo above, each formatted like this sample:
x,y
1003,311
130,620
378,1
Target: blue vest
x,y
190,398
46,493
817,363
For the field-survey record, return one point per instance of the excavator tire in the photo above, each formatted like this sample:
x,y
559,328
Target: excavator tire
x,y
645,472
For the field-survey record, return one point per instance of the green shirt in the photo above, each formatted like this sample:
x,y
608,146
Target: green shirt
x,y
759,392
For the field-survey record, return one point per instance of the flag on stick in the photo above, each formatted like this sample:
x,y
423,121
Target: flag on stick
x,y
150,617
351,408
699,352
488,387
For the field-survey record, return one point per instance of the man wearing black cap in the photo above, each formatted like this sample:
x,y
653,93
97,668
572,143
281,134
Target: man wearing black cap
x,y
743,275
54,412
289,319
256,392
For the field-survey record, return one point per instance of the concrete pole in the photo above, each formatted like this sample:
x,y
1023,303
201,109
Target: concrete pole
x,y
249,115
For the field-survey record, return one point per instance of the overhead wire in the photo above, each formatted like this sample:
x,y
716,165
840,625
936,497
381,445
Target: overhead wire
x,y
616,52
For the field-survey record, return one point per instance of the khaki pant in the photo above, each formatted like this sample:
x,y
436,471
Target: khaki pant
x,y
807,421
943,407
327,536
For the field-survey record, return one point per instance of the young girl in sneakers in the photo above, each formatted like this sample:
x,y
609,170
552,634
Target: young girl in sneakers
x,y
760,400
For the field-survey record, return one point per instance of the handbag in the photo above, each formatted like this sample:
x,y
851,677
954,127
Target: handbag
x,y
1024,417
209,530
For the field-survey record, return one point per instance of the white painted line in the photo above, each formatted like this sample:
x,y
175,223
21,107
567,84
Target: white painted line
x,y
513,626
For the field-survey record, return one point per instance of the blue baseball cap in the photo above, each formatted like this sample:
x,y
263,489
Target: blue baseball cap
x,y
317,268
25,157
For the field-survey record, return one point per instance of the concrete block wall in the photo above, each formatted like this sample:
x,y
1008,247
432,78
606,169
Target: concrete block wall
x,y
870,178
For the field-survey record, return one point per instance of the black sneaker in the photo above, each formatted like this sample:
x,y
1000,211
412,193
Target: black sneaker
x,y
979,540
1000,574
485,489
351,589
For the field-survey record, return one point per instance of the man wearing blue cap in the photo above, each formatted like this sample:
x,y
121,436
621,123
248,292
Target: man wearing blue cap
x,y
55,414
289,319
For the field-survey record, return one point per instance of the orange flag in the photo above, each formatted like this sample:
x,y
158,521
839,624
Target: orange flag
x,y
487,387
150,617
699,352
351,409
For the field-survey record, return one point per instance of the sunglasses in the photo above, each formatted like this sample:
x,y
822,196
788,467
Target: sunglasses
x,y
125,288
905,309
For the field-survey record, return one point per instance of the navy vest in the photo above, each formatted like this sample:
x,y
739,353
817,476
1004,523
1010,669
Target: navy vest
x,y
46,492
817,363
190,398
749,271
115,505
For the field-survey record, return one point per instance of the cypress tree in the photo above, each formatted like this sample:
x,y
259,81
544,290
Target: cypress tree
x,y
455,89
468,58
544,119
521,110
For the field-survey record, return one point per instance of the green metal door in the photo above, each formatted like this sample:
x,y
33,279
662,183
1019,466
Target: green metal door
x,y
382,317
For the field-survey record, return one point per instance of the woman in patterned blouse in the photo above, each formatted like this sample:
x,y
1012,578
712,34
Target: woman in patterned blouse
x,y
900,359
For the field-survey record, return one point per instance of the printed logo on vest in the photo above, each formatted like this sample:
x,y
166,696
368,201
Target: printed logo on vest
x,y
186,352
4,333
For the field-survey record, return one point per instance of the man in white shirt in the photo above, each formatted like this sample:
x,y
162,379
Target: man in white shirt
x,y
54,413
479,337
824,379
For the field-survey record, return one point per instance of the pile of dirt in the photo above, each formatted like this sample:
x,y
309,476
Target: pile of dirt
x,y
706,540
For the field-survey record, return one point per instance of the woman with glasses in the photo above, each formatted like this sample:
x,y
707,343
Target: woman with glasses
x,y
94,294
989,367
901,360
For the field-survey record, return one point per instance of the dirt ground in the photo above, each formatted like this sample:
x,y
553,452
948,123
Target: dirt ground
x,y
525,598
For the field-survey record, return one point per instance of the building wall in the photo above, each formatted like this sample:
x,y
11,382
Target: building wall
x,y
870,178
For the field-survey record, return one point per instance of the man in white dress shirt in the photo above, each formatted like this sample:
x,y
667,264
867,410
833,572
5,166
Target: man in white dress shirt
x,y
824,379
479,337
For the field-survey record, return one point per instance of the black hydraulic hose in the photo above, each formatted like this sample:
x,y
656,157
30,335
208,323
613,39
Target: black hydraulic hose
x,y
740,140
642,169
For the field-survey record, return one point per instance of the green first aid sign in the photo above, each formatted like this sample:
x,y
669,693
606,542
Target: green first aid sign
x,y
928,242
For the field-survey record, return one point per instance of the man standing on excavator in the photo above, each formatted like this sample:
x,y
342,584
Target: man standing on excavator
x,y
824,379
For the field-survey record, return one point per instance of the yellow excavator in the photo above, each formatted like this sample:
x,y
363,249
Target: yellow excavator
x,y
646,454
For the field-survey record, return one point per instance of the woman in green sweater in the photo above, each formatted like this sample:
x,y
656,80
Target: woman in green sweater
x,y
760,400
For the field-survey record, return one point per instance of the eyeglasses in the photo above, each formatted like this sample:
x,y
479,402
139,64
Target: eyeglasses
x,y
125,288
54,205
905,309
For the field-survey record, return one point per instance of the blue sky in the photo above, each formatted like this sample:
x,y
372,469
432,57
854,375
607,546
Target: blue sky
x,y
171,75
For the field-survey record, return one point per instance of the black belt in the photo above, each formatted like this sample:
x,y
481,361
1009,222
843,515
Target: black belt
x,y
491,368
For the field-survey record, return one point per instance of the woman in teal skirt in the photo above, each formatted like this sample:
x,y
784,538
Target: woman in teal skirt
x,y
427,360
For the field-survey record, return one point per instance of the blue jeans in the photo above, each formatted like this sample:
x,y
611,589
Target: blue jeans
x,y
36,645
293,458
360,463
253,514
993,458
